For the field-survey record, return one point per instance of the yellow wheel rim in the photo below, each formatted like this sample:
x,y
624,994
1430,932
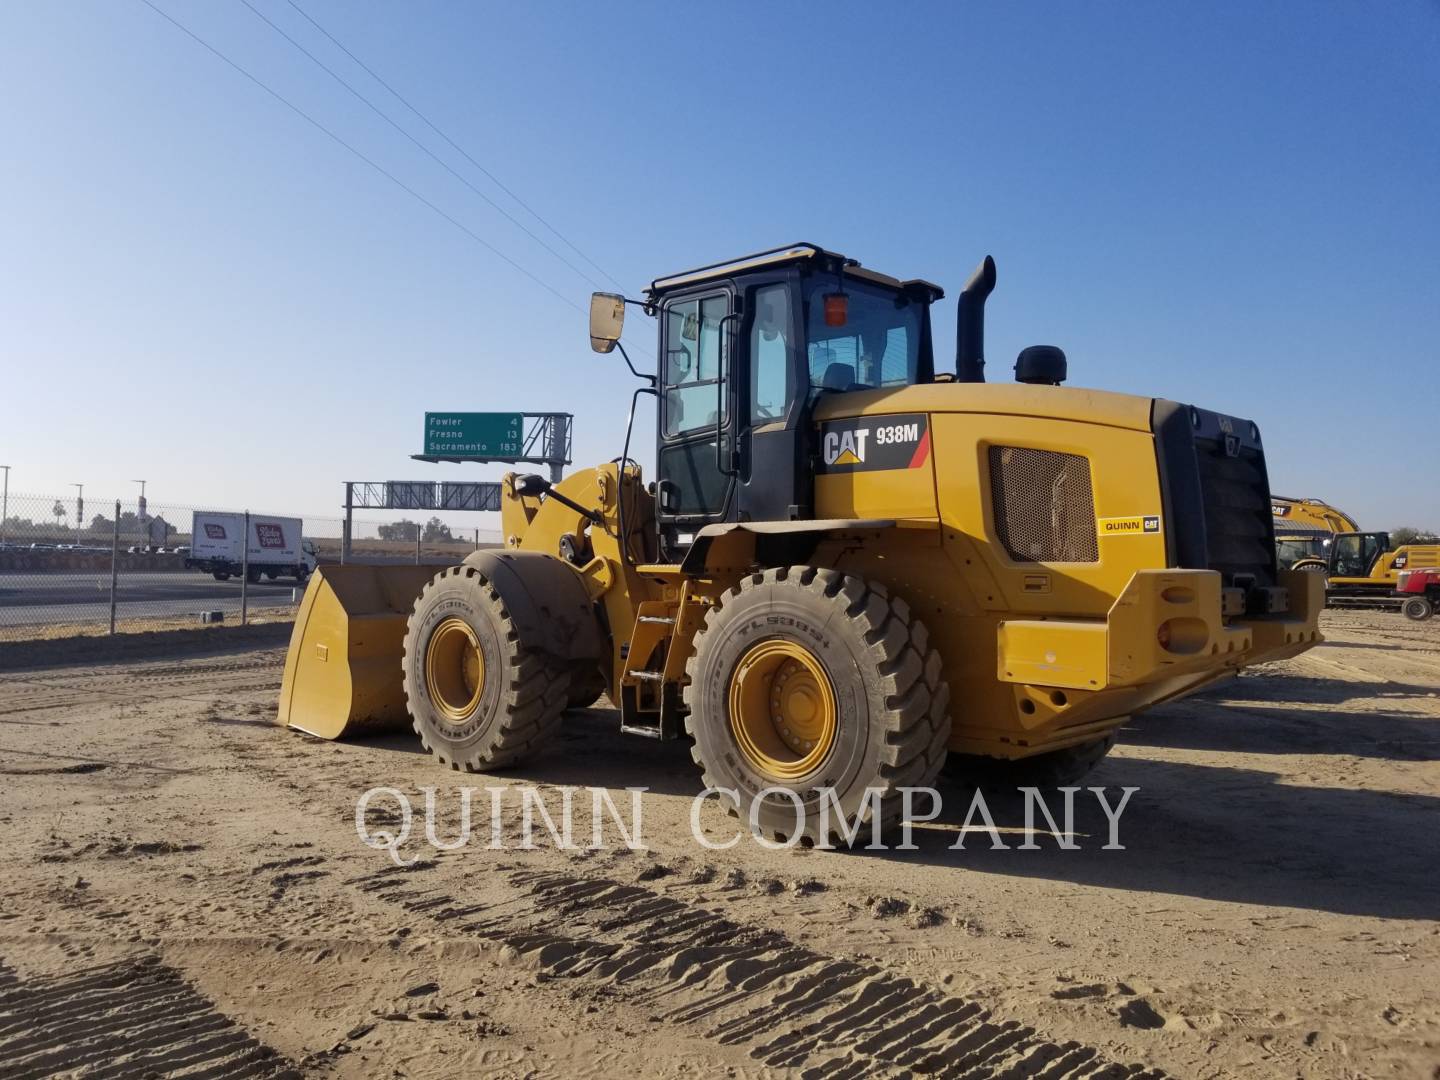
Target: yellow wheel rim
x,y
782,709
454,669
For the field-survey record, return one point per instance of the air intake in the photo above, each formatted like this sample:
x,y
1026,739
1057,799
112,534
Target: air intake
x,y
1044,505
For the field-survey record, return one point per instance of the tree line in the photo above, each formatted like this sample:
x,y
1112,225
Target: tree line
x,y
433,531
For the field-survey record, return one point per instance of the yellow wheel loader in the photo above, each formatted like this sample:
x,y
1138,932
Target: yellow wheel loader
x,y
1304,528
848,566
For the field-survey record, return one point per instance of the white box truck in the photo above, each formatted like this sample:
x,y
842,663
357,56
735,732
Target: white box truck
x,y
276,547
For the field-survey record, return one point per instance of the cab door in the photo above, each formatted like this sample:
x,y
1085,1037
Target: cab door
x,y
694,464
1352,555
771,406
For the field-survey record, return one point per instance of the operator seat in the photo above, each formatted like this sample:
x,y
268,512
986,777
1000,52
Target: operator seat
x,y
839,377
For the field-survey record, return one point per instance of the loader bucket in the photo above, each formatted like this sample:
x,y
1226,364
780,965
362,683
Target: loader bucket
x,y
343,670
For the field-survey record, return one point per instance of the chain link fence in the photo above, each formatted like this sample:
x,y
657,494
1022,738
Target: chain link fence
x,y
71,566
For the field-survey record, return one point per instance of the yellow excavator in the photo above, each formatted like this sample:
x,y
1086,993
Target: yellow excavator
x,y
850,565
1361,569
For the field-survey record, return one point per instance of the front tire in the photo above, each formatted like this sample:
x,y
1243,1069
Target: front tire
x,y
222,575
807,679
1418,608
587,687
480,697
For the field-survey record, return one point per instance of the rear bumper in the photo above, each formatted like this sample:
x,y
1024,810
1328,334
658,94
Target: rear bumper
x,y
1168,634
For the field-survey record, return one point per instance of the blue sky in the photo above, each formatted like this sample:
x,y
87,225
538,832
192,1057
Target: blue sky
x,y
1229,204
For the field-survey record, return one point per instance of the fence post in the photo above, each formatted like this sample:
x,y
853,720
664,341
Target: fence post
x,y
345,532
114,565
417,545
245,572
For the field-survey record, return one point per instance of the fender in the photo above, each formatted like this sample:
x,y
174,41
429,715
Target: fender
x,y
547,599
725,543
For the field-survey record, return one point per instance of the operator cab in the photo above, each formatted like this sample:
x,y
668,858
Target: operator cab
x,y
1353,555
746,347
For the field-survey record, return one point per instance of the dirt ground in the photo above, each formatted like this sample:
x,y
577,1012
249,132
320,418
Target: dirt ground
x,y
185,892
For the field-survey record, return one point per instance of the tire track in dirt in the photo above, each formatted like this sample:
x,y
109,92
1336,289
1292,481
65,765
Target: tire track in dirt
x,y
34,697
1352,669
132,1018
250,673
142,687
788,1005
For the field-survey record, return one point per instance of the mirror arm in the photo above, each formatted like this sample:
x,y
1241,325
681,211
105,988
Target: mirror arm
x,y
638,374
624,536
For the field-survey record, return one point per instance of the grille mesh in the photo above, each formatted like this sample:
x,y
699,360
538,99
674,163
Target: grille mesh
x,y
1238,520
1044,505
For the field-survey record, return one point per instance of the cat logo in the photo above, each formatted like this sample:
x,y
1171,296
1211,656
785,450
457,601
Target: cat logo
x,y
846,447
872,444
1148,524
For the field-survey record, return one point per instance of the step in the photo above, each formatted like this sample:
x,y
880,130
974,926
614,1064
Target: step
x,y
646,730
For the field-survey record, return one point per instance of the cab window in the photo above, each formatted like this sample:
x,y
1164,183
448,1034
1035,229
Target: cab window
x,y
770,355
877,345
693,356
1355,554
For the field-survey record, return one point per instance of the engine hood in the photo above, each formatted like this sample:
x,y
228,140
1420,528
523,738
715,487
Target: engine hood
x,y
1007,399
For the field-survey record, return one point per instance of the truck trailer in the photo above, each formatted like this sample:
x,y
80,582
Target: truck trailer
x,y
276,547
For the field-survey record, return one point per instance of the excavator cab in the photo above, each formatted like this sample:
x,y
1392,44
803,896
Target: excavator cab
x,y
1353,555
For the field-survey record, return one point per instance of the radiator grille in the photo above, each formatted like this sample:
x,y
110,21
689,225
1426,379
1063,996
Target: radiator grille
x,y
1044,505
1238,521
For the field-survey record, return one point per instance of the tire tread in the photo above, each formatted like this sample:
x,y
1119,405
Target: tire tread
x,y
915,718
531,703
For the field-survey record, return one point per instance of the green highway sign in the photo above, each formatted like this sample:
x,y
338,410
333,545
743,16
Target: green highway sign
x,y
474,434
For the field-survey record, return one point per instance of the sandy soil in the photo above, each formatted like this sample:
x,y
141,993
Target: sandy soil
x,y
185,892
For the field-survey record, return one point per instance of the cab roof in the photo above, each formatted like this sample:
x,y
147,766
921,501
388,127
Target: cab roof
x,y
791,253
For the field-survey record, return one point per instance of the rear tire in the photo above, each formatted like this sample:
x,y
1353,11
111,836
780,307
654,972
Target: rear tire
x,y
863,662
222,575
479,696
1418,608
1056,768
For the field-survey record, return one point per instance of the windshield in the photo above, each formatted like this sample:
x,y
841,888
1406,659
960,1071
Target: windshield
x,y
1291,551
879,344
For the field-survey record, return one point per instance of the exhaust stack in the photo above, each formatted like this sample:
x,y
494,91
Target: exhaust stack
x,y
970,323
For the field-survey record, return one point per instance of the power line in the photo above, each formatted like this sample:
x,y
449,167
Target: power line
x,y
368,161
453,144
427,151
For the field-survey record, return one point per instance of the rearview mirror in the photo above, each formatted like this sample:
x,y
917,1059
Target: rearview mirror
x,y
607,319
